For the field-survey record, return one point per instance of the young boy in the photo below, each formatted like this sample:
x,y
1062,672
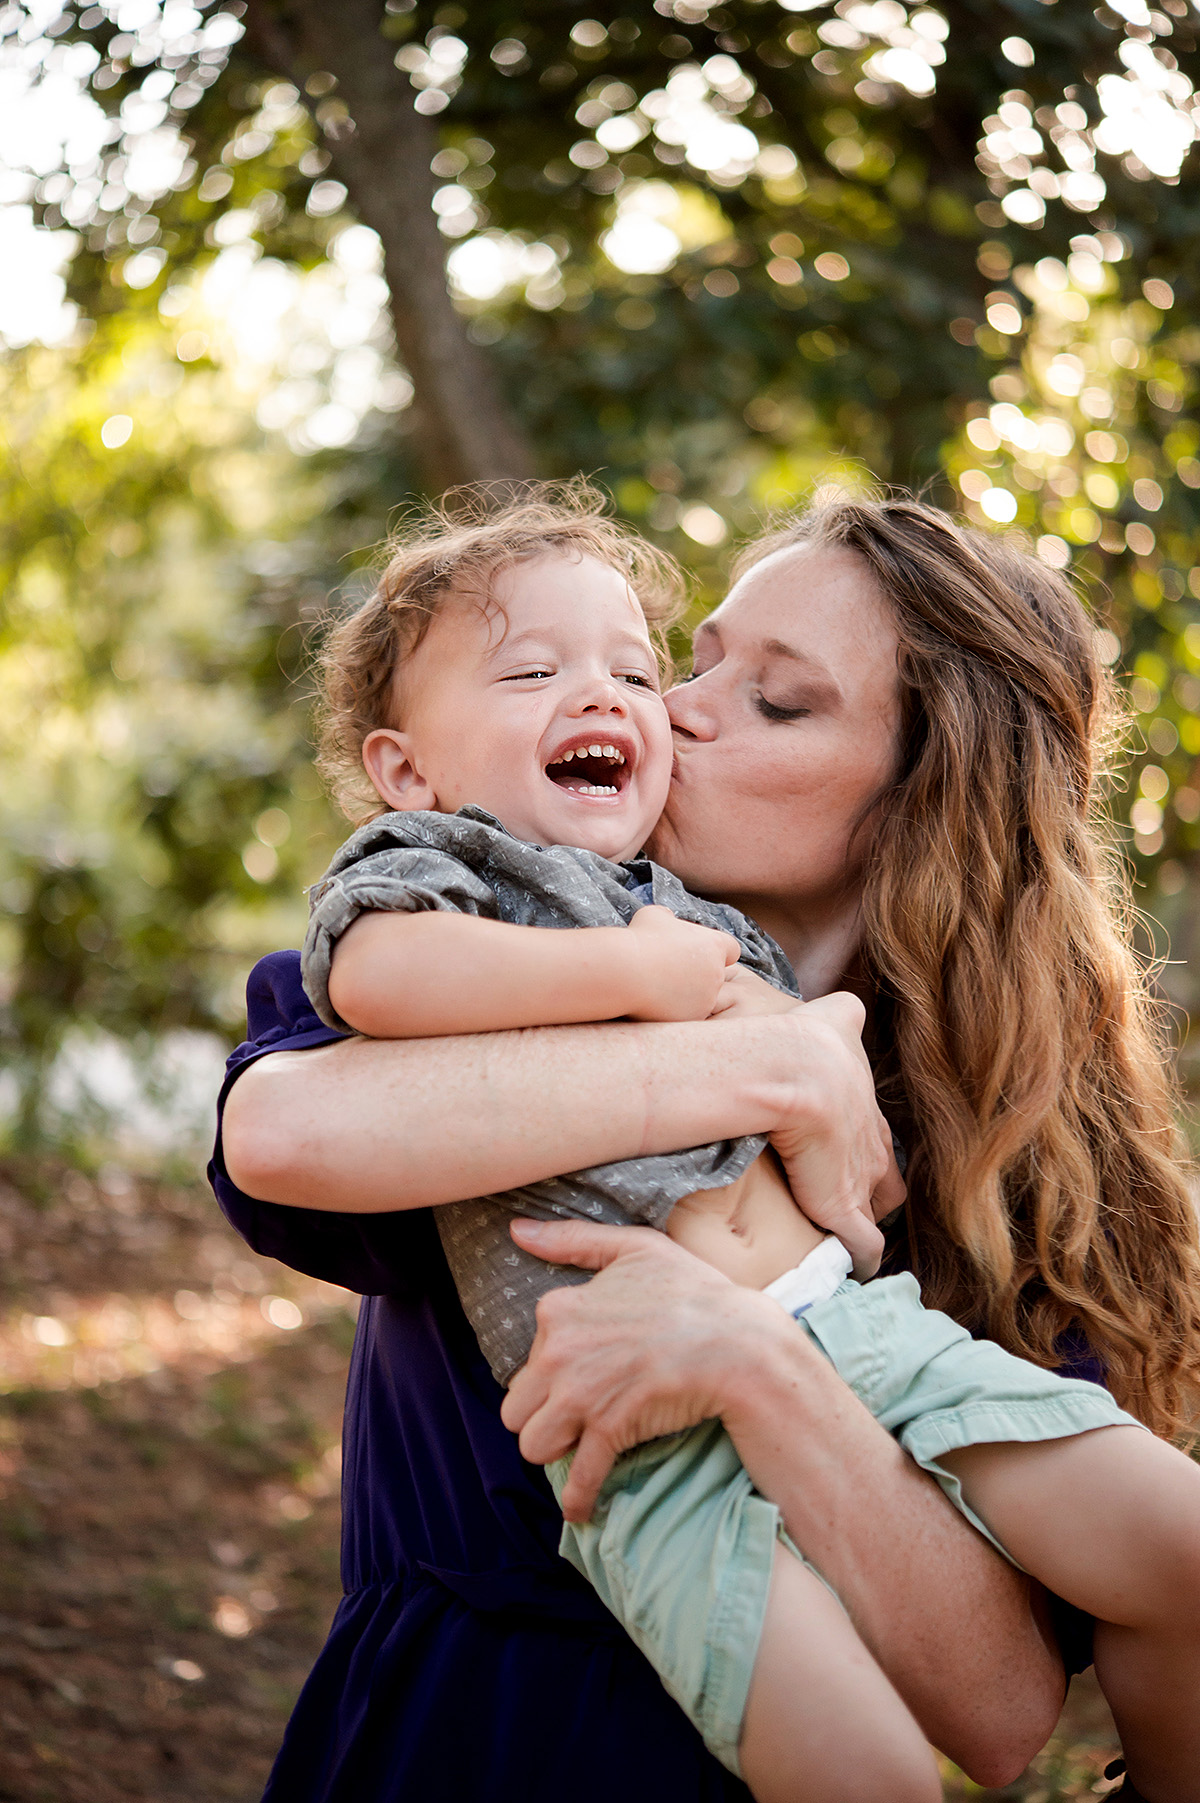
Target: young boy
x,y
504,686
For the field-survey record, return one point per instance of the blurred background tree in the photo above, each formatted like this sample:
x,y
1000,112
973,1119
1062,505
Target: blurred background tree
x,y
271,268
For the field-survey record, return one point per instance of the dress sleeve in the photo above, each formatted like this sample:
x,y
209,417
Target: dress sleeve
x,y
375,1254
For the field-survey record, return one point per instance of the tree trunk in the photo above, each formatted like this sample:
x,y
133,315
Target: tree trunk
x,y
463,429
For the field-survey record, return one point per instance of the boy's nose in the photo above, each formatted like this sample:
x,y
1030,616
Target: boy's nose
x,y
601,697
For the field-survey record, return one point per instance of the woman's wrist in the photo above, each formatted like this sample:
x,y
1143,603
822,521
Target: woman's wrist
x,y
722,1077
764,1369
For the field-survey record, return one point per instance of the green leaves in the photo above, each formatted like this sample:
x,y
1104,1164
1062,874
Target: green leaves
x,y
152,711
714,254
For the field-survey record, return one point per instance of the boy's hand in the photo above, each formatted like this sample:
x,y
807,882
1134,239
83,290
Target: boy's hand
x,y
679,969
743,992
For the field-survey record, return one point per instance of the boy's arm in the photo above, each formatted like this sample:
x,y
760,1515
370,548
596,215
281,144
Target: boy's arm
x,y
434,973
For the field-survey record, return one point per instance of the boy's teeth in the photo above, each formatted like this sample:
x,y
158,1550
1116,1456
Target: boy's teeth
x,y
594,751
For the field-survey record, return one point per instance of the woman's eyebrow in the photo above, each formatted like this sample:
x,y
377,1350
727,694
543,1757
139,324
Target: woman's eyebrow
x,y
813,666
778,648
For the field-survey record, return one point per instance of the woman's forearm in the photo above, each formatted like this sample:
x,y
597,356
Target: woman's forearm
x,y
945,1616
367,1126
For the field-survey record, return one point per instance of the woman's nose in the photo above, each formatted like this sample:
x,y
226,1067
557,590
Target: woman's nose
x,y
689,710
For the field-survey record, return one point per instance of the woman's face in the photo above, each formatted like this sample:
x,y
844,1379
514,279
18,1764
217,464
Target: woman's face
x,y
786,729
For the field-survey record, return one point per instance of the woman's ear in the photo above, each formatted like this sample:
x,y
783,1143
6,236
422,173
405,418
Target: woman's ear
x,y
388,759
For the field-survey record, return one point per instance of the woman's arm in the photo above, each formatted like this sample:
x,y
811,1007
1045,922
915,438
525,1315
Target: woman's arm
x,y
659,1342
371,1126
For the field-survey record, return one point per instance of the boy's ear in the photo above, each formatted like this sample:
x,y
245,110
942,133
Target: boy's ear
x,y
387,757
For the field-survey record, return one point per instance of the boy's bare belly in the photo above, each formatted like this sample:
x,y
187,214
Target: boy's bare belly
x,y
752,1229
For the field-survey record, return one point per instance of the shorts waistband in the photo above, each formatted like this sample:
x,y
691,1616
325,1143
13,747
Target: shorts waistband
x,y
815,1279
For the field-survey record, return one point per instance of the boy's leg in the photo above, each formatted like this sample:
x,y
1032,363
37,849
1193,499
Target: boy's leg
x,y
1110,1520
746,1638
1062,1481
822,1723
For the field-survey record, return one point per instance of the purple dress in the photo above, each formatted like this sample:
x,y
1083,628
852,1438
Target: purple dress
x,y
467,1661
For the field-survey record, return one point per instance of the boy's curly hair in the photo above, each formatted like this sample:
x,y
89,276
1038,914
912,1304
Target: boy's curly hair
x,y
451,548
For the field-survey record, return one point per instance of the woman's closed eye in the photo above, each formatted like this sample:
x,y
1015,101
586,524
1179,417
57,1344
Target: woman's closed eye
x,y
771,710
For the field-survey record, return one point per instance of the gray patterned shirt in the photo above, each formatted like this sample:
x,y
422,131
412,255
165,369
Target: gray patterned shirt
x,y
467,863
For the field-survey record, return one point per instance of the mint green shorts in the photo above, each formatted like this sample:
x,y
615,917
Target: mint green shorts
x,y
680,1545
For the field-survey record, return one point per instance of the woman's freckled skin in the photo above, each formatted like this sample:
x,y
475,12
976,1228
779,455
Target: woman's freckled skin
x,y
763,811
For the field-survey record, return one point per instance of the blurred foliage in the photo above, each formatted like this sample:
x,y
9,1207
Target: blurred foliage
x,y
718,254
160,812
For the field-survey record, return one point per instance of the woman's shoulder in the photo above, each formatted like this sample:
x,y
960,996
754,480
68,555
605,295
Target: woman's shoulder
x,y
277,1006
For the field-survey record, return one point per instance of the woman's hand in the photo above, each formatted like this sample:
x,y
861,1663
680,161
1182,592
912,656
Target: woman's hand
x,y
646,1349
836,1147
658,1341
837,1150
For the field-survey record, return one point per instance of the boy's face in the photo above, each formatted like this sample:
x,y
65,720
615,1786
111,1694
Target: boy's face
x,y
542,706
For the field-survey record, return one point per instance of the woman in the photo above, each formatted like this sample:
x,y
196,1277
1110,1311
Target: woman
x,y
886,758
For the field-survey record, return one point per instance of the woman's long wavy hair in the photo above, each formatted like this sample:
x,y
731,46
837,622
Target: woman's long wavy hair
x,y
1020,1049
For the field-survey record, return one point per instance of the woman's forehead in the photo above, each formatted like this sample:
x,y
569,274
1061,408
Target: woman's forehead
x,y
812,597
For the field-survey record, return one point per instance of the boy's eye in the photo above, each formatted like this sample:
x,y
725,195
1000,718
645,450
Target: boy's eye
x,y
525,675
643,682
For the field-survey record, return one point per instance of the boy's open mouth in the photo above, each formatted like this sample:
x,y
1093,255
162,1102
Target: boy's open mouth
x,y
597,768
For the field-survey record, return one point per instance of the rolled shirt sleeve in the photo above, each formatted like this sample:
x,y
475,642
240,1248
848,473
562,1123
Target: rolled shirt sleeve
x,y
397,880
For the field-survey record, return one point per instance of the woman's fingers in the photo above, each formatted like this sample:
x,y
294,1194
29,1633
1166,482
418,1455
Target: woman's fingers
x,y
525,1394
891,1191
862,1240
550,1432
637,1353
594,1459
581,1243
836,1149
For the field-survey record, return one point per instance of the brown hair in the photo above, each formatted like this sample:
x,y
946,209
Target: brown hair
x,y
1049,1199
441,551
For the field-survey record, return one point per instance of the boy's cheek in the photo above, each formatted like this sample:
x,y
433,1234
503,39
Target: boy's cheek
x,y
655,780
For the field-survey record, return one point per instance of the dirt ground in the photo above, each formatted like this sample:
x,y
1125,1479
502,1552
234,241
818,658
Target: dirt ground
x,y
169,1417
